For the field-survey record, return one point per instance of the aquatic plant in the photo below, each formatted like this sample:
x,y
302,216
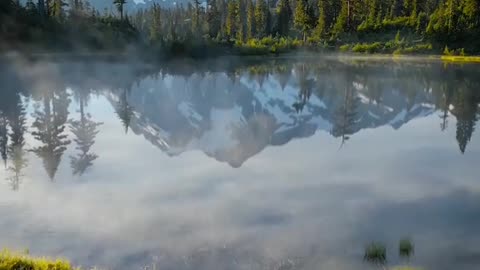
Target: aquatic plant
x,y
376,253
405,248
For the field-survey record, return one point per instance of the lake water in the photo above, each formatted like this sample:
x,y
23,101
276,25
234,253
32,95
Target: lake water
x,y
262,164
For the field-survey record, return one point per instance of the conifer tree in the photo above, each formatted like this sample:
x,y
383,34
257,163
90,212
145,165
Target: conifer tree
x,y
196,17
301,18
284,16
231,19
321,27
250,19
213,20
342,22
119,4
239,20
261,17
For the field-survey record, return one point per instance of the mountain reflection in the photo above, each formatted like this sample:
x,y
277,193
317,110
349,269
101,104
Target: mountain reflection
x,y
230,112
233,119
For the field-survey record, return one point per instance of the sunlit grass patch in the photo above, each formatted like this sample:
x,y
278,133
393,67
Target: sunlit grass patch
x,y
456,58
17,261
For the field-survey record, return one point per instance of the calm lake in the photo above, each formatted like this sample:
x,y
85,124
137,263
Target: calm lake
x,y
282,163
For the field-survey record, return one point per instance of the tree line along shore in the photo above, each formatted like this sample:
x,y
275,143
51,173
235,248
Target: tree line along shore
x,y
245,27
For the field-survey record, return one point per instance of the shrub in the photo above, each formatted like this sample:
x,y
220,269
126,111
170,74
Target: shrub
x,y
364,27
313,40
296,43
266,41
396,23
457,52
398,39
415,49
390,45
345,48
446,51
398,51
367,48
267,45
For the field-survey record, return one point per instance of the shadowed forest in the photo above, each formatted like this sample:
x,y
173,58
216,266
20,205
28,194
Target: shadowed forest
x,y
245,27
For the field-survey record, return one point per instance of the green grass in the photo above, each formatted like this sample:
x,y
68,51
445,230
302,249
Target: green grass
x,y
17,261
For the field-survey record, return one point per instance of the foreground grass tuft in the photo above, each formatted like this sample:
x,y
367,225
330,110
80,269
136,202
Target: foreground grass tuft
x,y
406,248
376,253
16,261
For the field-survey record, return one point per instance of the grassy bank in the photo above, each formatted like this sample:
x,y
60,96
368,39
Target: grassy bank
x,y
460,59
396,45
17,261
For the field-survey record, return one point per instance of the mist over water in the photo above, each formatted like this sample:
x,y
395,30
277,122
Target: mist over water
x,y
267,163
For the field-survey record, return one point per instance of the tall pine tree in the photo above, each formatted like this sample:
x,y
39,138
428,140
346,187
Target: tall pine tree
x,y
284,17
261,18
302,18
250,19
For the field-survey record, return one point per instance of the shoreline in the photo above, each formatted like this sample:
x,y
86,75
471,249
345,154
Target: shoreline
x,y
331,55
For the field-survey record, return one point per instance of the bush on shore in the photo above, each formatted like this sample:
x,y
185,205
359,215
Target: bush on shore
x,y
267,45
452,52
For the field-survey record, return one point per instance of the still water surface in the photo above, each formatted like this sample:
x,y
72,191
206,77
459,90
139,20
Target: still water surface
x,y
270,164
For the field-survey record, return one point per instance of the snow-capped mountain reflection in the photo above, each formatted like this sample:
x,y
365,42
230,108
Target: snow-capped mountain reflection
x,y
234,118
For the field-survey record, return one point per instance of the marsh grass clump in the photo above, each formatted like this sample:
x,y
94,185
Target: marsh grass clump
x,y
376,253
16,261
406,248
